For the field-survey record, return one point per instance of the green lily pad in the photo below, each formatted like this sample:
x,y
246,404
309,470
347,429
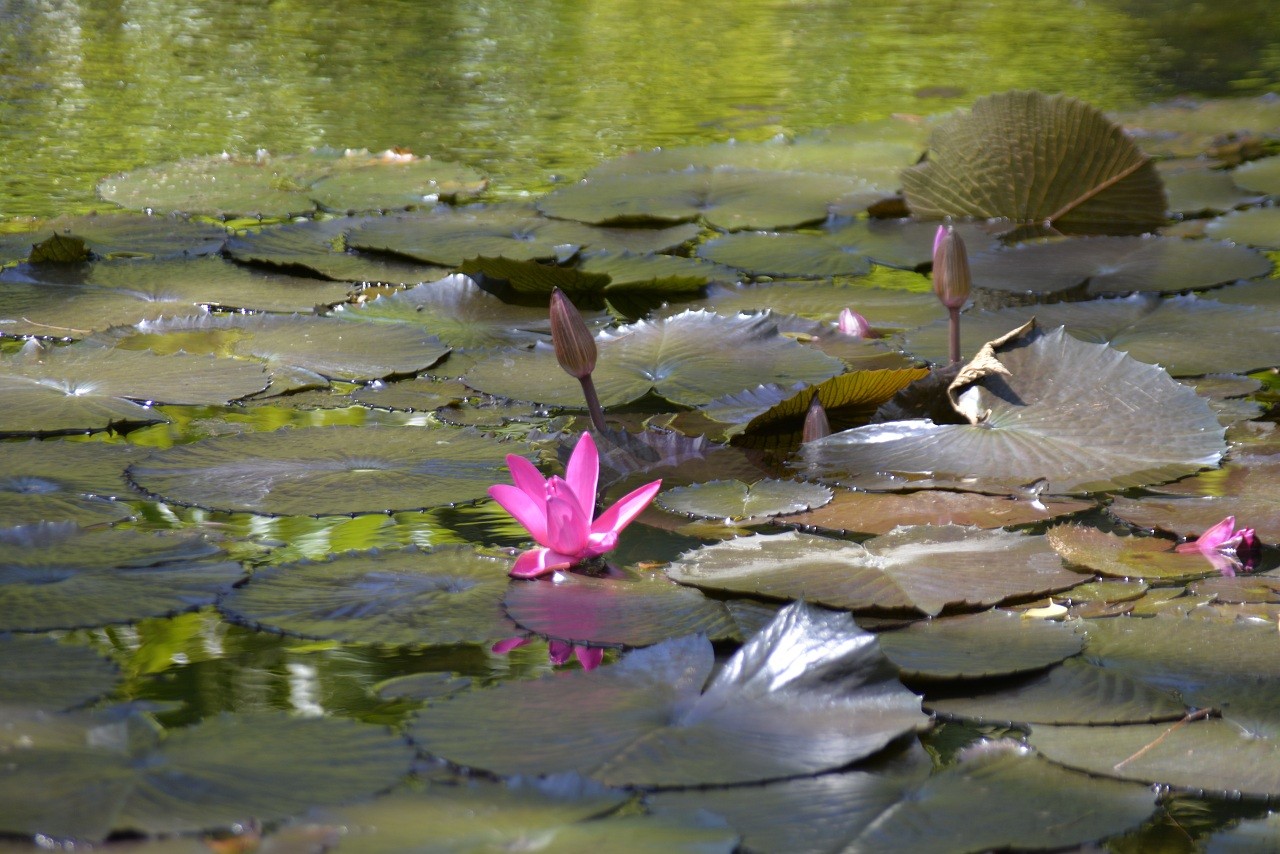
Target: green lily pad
x,y
1125,557
886,309
317,248
603,611
1200,191
1257,227
118,235
1081,416
322,471
59,576
924,568
881,512
738,501
1211,755
1115,265
42,673
448,237
1170,332
812,690
689,359
727,199
1262,176
321,346
102,776
64,481
457,312
369,182
1077,692
667,274
421,394
793,255
562,812
1034,158
1248,489
83,388
1188,128
973,646
448,595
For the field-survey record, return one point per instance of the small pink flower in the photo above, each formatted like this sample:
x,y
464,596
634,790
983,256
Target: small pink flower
x,y
558,652
1228,548
853,324
557,511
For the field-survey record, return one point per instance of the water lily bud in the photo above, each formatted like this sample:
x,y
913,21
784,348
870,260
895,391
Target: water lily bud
x,y
855,325
816,424
575,347
951,279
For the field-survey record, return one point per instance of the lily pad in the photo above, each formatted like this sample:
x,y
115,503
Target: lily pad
x,y
326,348
974,646
793,255
105,776
1248,489
585,610
689,359
733,500
59,576
1257,227
1077,693
457,312
881,512
370,182
448,237
1034,158
1195,192
42,673
1262,176
448,595
885,308
727,199
317,248
323,471
118,235
653,273
1082,417
1168,332
811,690
64,481
925,568
1125,557
421,394
1099,266
86,388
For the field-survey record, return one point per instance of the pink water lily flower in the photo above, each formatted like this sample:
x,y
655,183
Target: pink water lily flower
x,y
558,511
1228,548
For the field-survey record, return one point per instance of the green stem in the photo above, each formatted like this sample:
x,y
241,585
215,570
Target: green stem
x,y
593,403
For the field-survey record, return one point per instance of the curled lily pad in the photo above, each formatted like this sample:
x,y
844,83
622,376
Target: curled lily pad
x,y
317,248
924,568
1168,332
323,347
43,673
971,646
1032,158
1082,417
811,689
457,312
1077,692
689,359
735,500
581,609
59,576
881,512
86,388
101,775
448,595
1115,265
1125,557
727,199
320,471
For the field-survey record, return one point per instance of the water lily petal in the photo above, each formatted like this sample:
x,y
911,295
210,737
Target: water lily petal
x,y
583,473
1211,539
626,509
540,561
567,526
527,477
530,512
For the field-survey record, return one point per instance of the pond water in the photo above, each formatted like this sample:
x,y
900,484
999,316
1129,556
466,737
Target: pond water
x,y
533,94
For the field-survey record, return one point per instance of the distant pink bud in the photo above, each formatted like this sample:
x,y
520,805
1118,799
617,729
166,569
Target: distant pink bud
x,y
574,344
855,325
951,278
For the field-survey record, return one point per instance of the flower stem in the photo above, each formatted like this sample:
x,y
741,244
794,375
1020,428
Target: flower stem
x,y
593,403
955,334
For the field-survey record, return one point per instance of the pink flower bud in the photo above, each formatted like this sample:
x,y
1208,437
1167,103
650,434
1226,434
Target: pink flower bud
x,y
855,325
575,346
816,424
951,278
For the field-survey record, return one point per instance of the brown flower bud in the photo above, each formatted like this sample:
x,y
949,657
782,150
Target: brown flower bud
x,y
575,347
951,279
815,422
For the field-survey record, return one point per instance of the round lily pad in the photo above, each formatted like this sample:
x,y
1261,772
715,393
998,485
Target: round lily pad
x,y
971,646
1193,192
886,309
59,576
43,673
59,480
447,595
783,255
320,471
737,501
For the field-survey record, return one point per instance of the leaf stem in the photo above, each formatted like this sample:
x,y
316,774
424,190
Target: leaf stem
x,y
954,314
